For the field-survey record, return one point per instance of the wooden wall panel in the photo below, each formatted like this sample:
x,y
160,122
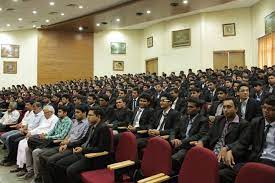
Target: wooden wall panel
x,y
64,56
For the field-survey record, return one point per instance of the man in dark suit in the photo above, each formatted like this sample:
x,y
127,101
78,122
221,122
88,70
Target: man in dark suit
x,y
134,100
248,108
178,102
257,143
270,88
66,102
163,121
216,108
98,141
258,93
106,107
142,114
210,95
225,130
191,128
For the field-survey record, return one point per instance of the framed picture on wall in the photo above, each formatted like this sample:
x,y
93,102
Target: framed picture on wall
x,y
229,29
270,23
9,51
181,38
150,42
118,48
118,65
10,67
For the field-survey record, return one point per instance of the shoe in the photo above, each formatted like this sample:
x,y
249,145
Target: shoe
x,y
21,173
15,170
37,180
27,176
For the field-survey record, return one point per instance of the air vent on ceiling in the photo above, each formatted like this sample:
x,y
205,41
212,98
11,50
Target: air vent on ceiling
x,y
25,0
34,21
72,5
139,13
174,4
104,23
10,9
53,13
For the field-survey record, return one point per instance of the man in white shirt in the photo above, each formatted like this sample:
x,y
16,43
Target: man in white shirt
x,y
10,117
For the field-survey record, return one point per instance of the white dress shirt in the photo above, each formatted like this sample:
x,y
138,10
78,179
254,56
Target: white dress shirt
x,y
10,117
45,125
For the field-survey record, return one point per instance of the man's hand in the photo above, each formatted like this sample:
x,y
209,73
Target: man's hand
x,y
131,128
197,143
222,154
77,150
229,159
28,135
64,142
153,132
176,143
62,148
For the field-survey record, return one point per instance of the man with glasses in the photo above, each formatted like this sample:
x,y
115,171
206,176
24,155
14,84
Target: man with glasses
x,y
259,138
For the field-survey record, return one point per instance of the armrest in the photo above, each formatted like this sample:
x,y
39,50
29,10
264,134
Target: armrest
x,y
57,141
94,155
122,128
160,179
151,178
165,137
13,126
120,165
142,131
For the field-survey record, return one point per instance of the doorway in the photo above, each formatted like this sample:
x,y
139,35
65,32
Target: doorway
x,y
229,58
152,66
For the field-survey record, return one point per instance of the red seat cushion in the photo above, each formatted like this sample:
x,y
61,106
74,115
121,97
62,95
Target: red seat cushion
x,y
96,176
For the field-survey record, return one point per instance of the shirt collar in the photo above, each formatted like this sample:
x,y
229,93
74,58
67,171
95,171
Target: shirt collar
x,y
235,120
165,113
267,123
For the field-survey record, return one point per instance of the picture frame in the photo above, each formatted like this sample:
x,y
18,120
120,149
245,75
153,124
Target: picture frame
x,y
118,48
181,38
270,23
229,29
9,67
150,42
9,51
118,65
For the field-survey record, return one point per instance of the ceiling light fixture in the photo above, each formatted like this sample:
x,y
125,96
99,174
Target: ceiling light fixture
x,y
62,14
148,11
47,20
15,0
20,19
80,28
34,26
1,9
185,2
52,3
34,12
8,25
118,20
98,24
80,6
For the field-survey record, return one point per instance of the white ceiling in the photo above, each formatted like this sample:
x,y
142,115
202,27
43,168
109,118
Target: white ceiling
x,y
24,8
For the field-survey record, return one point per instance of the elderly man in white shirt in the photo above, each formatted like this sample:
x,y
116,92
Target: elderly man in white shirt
x,y
10,117
24,155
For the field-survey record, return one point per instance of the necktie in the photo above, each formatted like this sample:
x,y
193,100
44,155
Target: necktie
x,y
89,137
267,127
163,122
134,104
136,117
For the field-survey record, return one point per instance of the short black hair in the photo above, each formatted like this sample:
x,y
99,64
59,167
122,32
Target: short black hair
x,y
122,98
145,96
104,97
196,101
82,107
234,100
63,108
136,89
196,89
93,96
222,89
66,96
168,96
270,100
97,111
176,90
29,101
241,85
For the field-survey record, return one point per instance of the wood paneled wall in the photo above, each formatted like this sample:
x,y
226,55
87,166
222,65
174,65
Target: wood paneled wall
x,y
64,56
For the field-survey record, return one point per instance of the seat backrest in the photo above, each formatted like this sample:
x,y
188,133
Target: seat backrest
x,y
112,139
127,147
157,157
200,165
256,173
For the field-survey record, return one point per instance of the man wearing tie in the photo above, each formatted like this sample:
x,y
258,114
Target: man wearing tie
x,y
134,102
259,138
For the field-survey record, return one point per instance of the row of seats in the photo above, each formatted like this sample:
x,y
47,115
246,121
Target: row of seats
x,y
200,165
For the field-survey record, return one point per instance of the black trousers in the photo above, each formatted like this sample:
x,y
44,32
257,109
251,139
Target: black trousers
x,y
228,175
13,146
177,159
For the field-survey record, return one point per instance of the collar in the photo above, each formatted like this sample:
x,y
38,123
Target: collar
x,y
267,123
245,101
235,120
165,113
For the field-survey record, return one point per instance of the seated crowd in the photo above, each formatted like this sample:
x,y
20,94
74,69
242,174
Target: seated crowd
x,y
48,129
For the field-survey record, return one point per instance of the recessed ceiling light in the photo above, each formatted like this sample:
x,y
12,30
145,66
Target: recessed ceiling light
x,y
80,6
148,11
185,2
47,20
1,9
52,3
20,19
34,12
14,0
118,20
62,14
98,24
80,28
8,25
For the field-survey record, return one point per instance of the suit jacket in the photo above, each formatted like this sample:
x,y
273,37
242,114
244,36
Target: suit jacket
x,y
131,103
253,109
212,110
198,129
208,97
252,139
173,117
145,118
180,105
121,117
109,113
215,132
254,96
100,139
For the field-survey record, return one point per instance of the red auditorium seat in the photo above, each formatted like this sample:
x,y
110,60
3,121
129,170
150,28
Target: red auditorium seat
x,y
126,150
200,165
256,173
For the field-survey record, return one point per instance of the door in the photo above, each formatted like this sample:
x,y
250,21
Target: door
x,y
220,59
152,66
236,59
228,58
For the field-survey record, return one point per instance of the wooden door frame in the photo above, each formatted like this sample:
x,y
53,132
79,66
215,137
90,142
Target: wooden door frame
x,y
151,59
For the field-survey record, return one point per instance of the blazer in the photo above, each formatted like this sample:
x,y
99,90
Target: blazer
x,y
215,132
145,118
198,129
100,139
170,122
251,140
212,110
131,103
121,117
180,105
253,109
